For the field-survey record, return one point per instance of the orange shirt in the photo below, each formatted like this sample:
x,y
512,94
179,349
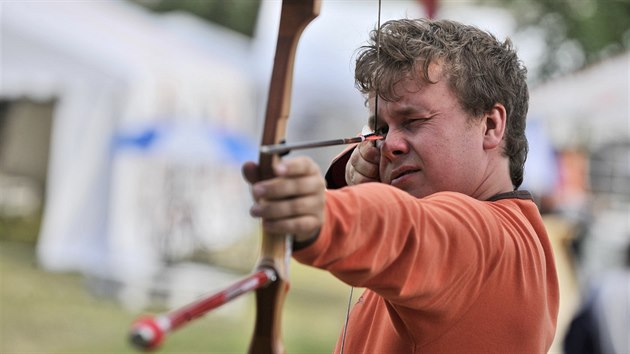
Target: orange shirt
x,y
444,274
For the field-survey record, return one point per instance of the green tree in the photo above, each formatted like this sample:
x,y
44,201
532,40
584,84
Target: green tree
x,y
239,15
577,33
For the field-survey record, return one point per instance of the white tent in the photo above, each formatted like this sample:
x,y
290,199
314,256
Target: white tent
x,y
584,110
116,70
589,108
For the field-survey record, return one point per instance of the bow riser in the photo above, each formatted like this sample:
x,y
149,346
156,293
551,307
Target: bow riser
x,y
275,249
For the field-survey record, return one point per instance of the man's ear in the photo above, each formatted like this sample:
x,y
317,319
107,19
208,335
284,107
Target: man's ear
x,y
494,120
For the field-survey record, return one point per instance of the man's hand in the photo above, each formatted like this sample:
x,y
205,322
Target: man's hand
x,y
293,201
363,164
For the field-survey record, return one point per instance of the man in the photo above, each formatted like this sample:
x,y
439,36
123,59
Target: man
x,y
453,257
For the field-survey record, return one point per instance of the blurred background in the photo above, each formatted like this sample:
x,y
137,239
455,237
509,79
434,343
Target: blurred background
x,y
123,125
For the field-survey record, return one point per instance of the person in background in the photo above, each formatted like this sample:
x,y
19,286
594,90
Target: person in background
x,y
602,326
453,257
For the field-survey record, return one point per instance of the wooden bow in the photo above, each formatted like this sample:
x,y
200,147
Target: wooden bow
x,y
276,249
270,278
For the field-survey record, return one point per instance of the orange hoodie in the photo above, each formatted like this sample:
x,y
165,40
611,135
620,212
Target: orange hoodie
x,y
444,274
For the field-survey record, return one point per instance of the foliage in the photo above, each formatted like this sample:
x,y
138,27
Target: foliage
x,y
576,33
239,15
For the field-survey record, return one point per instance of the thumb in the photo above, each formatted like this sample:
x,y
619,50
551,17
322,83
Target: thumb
x,y
250,171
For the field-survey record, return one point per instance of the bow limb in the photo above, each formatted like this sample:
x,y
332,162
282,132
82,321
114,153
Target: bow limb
x,y
276,249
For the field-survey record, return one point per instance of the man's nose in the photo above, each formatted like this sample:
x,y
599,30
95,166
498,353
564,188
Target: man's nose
x,y
393,145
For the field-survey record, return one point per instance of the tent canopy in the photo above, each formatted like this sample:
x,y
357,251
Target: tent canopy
x,y
111,67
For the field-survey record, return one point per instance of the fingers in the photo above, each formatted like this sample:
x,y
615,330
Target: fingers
x,y
285,168
363,165
288,186
250,172
301,217
298,166
293,201
369,152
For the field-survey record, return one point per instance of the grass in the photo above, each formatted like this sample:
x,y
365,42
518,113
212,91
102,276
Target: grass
x,y
42,312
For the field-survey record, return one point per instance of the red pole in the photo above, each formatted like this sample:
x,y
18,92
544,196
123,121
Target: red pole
x,y
431,7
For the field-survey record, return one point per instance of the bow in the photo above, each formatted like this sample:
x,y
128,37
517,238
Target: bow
x,y
276,249
270,278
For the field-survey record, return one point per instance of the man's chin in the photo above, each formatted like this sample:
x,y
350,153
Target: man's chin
x,y
418,192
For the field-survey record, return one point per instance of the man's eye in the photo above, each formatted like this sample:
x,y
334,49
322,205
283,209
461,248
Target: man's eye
x,y
382,130
367,130
414,123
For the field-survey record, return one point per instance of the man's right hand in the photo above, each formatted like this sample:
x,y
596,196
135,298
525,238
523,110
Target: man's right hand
x,y
363,164
293,201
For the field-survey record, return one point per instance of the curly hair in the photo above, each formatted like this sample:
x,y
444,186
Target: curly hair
x,y
480,70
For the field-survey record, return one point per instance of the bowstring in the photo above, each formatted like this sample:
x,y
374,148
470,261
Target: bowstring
x,y
345,326
378,51
378,60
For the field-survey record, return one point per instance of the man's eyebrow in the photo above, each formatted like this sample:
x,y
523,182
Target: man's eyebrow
x,y
406,111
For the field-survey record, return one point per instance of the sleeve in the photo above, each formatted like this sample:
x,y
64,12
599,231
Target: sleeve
x,y
408,250
336,174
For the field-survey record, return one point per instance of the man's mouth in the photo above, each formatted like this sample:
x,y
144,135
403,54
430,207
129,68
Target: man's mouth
x,y
400,175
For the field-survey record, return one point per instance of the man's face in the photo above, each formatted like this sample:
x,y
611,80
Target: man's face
x,y
431,144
